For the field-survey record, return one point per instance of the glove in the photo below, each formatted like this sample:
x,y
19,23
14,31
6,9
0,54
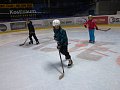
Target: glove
x,y
85,26
96,28
58,47
55,39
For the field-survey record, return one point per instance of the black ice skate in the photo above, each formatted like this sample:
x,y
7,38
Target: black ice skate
x,y
70,63
37,42
30,42
91,41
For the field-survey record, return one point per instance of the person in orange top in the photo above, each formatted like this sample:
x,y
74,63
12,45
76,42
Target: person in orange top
x,y
91,25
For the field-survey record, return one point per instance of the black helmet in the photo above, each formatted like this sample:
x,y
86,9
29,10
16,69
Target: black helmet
x,y
30,22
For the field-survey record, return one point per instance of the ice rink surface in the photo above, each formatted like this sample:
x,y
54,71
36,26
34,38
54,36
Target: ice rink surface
x,y
37,67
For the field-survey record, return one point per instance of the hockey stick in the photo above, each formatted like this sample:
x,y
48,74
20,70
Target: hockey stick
x,y
62,75
24,42
105,29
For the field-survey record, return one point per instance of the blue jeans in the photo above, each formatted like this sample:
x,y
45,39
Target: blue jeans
x,y
91,35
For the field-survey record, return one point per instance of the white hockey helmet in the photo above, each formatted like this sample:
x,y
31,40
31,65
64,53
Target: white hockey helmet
x,y
90,17
56,22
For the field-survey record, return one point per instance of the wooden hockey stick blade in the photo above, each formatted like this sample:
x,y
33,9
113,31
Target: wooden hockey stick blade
x,y
107,29
104,29
21,44
61,76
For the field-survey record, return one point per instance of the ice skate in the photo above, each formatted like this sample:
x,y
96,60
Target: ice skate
x,y
70,63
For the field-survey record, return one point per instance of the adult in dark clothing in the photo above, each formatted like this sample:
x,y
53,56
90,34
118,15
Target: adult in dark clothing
x,y
31,32
62,40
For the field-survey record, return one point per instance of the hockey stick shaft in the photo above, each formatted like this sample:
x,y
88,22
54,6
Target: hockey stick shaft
x,y
61,61
62,75
24,41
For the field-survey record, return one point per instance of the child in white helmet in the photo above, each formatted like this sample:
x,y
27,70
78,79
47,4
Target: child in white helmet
x,y
62,40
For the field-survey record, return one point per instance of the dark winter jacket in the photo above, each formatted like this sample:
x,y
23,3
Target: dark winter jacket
x,y
61,37
31,27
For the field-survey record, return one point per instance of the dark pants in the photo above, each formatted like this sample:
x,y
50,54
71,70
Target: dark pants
x,y
64,51
34,35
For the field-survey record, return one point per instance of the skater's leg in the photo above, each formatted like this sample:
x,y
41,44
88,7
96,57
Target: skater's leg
x,y
36,39
64,51
30,37
92,36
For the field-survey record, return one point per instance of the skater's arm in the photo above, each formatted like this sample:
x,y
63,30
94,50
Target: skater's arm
x,y
55,37
63,39
85,24
96,27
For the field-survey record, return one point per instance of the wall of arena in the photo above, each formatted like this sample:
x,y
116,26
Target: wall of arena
x,y
72,21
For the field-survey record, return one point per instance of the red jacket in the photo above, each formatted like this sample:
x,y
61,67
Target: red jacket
x,y
91,25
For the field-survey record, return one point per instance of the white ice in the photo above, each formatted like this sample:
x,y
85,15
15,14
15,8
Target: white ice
x,y
37,67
